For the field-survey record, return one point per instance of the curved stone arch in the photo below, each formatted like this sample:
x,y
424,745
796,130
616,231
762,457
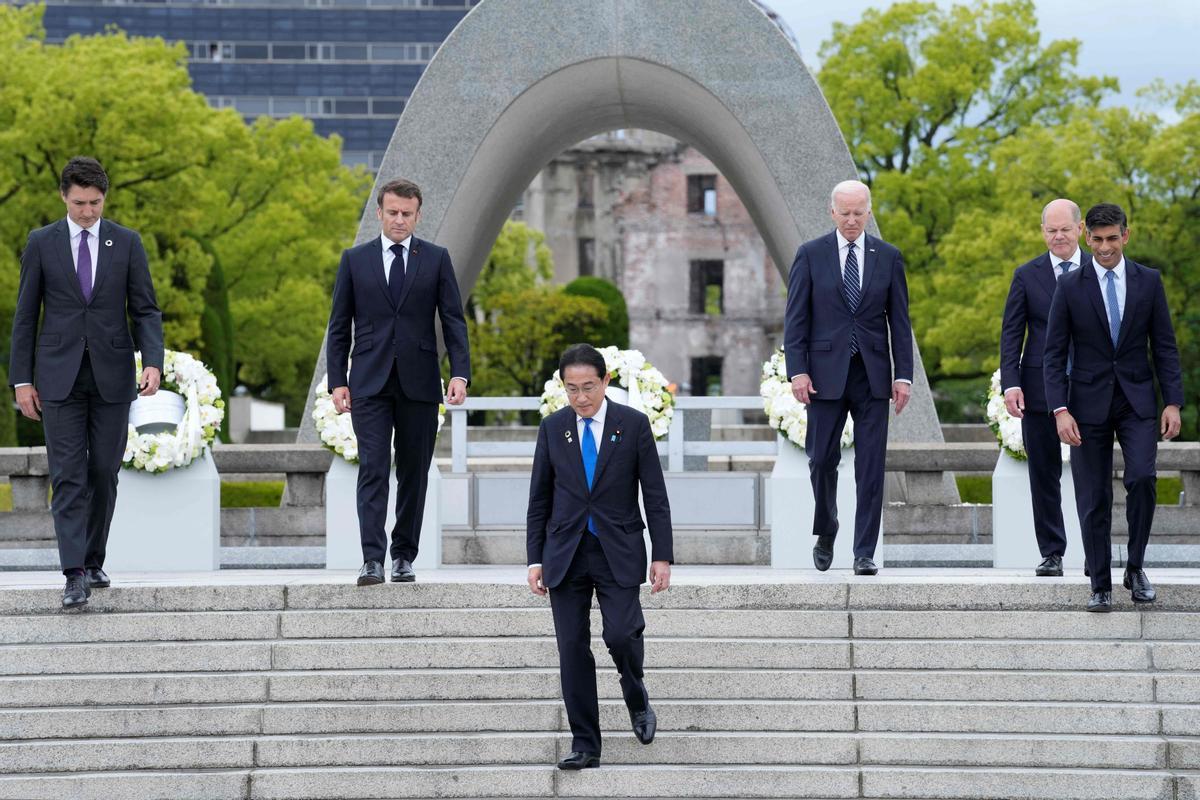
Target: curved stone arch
x,y
519,81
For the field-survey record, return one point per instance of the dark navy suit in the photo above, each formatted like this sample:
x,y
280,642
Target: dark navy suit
x,y
612,562
1022,349
81,363
817,330
395,383
1111,391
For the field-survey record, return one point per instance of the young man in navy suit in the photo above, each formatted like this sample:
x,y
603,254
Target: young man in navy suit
x,y
1025,315
846,293
1109,317
584,536
384,300
88,281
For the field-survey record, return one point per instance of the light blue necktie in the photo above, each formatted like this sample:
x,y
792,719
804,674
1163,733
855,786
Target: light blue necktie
x,y
589,462
1114,309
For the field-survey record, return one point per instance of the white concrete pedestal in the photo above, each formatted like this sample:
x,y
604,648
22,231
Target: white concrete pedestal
x,y
1014,544
793,509
170,522
343,545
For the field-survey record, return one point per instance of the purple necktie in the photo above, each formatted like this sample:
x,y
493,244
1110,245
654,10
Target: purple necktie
x,y
84,267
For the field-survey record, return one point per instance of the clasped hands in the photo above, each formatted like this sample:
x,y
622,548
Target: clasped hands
x,y
455,395
803,391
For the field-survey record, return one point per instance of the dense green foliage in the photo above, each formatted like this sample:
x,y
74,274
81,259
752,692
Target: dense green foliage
x,y
616,330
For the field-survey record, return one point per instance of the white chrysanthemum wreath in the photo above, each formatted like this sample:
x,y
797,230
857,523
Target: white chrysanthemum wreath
x,y
336,430
785,413
1006,427
629,370
203,412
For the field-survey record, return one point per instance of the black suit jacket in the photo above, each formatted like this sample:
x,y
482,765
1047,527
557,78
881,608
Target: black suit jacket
x,y
1023,333
818,322
1078,319
383,333
559,500
122,314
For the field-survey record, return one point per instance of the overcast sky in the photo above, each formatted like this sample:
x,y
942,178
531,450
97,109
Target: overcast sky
x,y
1133,42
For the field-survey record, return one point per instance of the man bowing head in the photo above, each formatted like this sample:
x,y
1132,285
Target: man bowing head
x,y
584,535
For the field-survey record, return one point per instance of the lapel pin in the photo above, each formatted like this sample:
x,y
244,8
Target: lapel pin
x,y
567,436
616,437
108,242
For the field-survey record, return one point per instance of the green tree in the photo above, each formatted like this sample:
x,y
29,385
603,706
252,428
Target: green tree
x,y
616,329
519,260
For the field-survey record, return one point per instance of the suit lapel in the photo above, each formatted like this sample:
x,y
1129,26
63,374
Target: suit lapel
x,y
833,263
1044,274
104,255
568,434
613,420
867,264
1132,284
375,267
1091,287
62,246
415,258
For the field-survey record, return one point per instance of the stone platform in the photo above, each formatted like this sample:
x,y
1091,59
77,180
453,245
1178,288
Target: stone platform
x,y
297,684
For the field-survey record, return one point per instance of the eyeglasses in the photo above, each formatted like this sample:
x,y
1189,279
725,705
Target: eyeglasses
x,y
587,388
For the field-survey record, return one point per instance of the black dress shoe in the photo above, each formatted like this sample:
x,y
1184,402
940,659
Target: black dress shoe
x,y
1101,601
402,571
864,566
96,579
1143,590
76,592
823,553
371,573
579,760
645,723
1051,567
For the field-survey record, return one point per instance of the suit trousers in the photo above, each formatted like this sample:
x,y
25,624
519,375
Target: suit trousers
x,y
381,421
826,418
621,616
85,443
1092,467
1044,451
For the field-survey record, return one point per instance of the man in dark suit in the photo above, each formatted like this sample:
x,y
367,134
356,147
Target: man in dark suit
x,y
1025,315
846,292
1109,316
584,535
88,280
389,288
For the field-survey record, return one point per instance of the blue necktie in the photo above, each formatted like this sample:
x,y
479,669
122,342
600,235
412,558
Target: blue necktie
x,y
589,462
1114,309
851,289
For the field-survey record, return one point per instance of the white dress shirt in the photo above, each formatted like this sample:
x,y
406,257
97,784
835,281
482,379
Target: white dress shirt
x,y
389,256
597,434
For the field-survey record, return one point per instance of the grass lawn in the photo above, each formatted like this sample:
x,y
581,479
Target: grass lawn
x,y
978,489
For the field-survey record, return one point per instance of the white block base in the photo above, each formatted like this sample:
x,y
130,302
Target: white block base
x,y
793,508
1014,543
169,522
343,545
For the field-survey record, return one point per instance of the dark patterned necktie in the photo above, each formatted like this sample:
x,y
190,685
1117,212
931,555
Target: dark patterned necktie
x,y
84,267
396,274
851,290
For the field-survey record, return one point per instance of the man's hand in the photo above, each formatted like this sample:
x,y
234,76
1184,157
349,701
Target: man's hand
x,y
457,393
341,399
1170,422
901,391
29,401
535,581
1014,401
802,388
660,576
1068,431
148,383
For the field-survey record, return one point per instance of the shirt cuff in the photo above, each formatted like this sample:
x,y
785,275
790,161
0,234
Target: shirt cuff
x,y
19,385
903,380
1009,389
458,378
531,566
1060,408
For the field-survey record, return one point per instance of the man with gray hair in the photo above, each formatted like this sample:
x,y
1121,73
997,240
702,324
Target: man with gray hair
x,y
1022,346
846,294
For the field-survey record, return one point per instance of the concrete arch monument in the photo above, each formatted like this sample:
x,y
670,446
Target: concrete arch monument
x,y
519,81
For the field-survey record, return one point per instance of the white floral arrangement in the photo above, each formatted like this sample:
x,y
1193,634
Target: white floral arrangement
x,y
629,370
1006,427
337,430
203,413
785,413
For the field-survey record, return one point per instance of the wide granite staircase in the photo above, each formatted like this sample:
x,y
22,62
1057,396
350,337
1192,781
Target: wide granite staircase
x,y
277,685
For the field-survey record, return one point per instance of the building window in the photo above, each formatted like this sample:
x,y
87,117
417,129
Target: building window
x,y
702,195
706,376
707,288
587,256
584,180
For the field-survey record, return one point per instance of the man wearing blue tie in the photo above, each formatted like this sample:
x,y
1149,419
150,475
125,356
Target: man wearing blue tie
x,y
1110,317
584,535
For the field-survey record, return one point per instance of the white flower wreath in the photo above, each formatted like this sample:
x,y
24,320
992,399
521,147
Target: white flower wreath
x,y
336,430
1006,427
629,370
203,412
785,413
